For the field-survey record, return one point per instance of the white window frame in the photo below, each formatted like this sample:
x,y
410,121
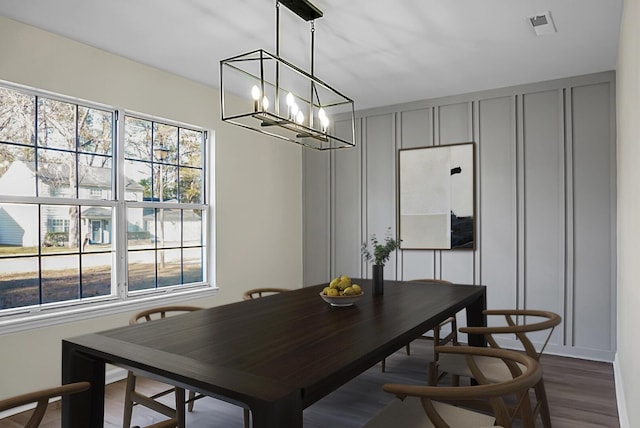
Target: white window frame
x,y
31,317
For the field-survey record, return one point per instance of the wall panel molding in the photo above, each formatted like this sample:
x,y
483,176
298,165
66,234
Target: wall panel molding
x,y
545,200
569,238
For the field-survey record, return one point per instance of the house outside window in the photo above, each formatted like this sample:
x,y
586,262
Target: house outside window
x,y
70,232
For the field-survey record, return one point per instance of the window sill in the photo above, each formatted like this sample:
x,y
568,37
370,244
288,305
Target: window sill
x,y
47,318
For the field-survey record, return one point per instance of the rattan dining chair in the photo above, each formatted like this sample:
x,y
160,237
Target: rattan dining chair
x,y
134,397
444,333
529,321
41,401
420,406
262,292
168,423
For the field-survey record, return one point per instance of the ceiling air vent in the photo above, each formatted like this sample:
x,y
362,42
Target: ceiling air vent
x,y
542,23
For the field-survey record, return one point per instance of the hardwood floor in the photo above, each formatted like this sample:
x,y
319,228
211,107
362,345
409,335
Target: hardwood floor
x,y
581,394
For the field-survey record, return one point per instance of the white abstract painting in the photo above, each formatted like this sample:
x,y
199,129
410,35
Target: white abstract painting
x,y
436,197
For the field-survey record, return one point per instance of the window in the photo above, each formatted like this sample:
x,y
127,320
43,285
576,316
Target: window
x,y
165,243
58,225
63,189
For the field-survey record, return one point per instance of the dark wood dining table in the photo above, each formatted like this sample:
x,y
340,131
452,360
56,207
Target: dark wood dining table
x,y
275,355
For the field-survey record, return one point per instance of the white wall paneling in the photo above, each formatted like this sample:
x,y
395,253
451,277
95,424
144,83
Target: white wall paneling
x,y
316,216
497,219
543,214
416,130
455,125
381,182
593,186
346,208
545,200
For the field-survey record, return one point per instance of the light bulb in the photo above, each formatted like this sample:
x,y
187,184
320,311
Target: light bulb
x,y
291,101
255,93
324,121
294,109
300,117
265,103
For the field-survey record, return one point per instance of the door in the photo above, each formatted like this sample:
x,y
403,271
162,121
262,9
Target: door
x,y
96,231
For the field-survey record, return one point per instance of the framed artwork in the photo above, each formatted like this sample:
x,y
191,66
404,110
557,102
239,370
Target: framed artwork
x,y
436,197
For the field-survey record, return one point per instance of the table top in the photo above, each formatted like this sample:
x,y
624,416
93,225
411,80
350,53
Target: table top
x,y
267,348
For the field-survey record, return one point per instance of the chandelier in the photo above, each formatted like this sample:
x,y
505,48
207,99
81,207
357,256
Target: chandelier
x,y
265,93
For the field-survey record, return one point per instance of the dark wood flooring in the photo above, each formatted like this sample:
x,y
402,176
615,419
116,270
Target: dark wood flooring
x,y
581,395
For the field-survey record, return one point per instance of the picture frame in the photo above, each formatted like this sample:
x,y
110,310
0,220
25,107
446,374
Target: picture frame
x,y
436,197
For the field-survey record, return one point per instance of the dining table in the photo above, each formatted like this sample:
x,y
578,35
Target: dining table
x,y
275,355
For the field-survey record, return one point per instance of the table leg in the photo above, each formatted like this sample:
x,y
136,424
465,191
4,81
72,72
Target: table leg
x,y
85,409
286,412
476,318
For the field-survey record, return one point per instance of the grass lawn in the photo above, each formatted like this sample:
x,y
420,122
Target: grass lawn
x,y
22,289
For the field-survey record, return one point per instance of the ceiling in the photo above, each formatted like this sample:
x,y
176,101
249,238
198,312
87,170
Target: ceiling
x,y
376,52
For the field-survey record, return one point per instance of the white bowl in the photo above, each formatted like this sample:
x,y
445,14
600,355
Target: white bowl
x,y
341,300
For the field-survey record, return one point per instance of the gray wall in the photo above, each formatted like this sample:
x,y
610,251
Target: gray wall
x,y
545,201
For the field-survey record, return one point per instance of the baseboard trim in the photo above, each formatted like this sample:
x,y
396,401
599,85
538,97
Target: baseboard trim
x,y
623,415
17,410
563,351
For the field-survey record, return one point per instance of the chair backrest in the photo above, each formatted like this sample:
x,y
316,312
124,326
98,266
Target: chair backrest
x,y
525,371
41,400
548,323
160,312
261,292
432,280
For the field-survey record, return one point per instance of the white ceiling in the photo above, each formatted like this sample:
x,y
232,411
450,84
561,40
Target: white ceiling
x,y
376,52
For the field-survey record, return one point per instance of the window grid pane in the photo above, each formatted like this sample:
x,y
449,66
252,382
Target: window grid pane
x,y
17,117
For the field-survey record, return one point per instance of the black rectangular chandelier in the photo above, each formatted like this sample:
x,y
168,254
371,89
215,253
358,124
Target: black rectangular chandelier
x,y
265,93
